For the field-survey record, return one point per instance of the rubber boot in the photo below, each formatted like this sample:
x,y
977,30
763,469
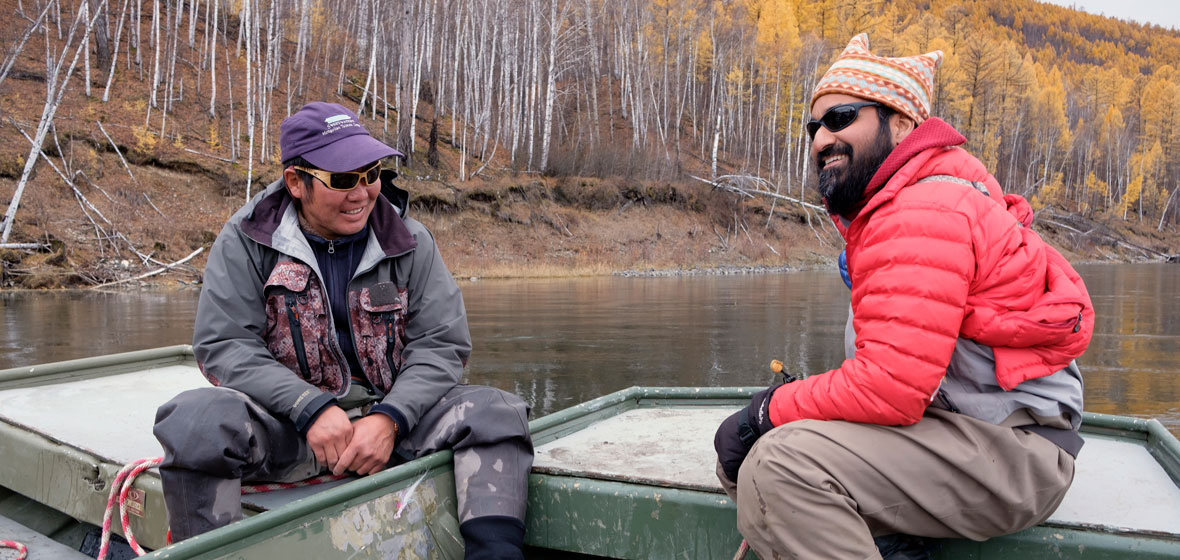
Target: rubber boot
x,y
902,547
493,537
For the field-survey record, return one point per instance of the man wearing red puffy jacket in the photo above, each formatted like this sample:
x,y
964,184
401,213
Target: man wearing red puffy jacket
x,y
956,412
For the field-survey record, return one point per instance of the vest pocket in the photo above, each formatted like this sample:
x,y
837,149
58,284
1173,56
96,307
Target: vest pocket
x,y
298,329
378,318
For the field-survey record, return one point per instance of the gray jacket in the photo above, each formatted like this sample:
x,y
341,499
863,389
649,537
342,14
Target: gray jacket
x,y
401,285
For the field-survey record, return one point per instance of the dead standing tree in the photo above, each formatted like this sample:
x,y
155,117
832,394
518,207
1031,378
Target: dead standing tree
x,y
54,91
11,59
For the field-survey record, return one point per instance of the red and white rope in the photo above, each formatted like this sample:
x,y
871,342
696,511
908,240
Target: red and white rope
x,y
21,550
742,550
119,489
126,477
272,486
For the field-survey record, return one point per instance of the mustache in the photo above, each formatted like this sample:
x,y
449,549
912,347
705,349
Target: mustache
x,y
837,149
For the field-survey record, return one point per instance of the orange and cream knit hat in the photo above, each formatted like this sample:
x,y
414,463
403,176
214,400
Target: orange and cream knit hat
x,y
904,84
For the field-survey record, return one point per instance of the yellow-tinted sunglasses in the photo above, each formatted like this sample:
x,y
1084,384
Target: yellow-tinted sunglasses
x,y
344,180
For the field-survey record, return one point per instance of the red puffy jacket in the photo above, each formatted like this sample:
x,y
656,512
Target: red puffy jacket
x,y
932,261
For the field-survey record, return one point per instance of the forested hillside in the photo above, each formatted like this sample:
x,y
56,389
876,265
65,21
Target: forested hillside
x,y
1079,113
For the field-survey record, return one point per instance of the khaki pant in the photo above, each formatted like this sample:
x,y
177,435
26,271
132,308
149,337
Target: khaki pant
x,y
815,489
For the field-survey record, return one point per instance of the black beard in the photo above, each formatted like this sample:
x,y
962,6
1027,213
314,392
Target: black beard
x,y
842,190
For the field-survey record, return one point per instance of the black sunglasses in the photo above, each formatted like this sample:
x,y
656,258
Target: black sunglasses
x,y
345,180
839,117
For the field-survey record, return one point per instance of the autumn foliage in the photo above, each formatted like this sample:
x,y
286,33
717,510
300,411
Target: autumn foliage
x,y
1072,110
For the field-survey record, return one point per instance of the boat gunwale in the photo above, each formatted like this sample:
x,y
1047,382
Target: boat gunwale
x,y
359,490
97,366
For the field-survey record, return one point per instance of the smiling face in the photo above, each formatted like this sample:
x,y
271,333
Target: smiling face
x,y
846,160
328,213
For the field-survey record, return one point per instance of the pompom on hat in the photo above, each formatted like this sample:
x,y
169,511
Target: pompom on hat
x,y
904,84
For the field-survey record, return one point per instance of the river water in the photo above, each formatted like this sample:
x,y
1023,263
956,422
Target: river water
x,y
563,341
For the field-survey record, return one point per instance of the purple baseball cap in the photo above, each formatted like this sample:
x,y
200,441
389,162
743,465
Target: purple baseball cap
x,y
330,137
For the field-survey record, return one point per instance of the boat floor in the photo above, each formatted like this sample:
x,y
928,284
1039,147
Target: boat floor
x,y
40,546
1117,484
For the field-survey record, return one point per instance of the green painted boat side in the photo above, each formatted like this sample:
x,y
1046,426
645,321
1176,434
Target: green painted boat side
x,y
619,518
354,521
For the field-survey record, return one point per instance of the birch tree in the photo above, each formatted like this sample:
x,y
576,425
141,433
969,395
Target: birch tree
x,y
54,91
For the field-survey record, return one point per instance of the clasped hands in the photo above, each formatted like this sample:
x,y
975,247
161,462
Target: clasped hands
x,y
363,446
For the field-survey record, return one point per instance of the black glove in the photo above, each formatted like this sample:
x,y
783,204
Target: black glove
x,y
737,434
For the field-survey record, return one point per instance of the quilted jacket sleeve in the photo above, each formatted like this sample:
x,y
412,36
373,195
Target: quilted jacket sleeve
x,y
912,263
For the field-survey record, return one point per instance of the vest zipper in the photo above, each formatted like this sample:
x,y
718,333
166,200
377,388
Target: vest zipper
x,y
389,346
297,335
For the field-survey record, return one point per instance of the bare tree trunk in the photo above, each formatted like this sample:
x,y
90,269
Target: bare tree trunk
x,y
595,70
173,46
117,151
11,59
138,37
274,59
423,49
192,22
106,92
1160,227
213,63
102,35
405,98
533,81
716,142
550,86
155,39
302,46
370,77
84,9
53,97
455,68
250,29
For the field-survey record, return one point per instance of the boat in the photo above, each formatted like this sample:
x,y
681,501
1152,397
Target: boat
x,y
626,475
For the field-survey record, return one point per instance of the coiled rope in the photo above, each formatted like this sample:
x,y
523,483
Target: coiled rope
x,y
21,550
119,489
126,477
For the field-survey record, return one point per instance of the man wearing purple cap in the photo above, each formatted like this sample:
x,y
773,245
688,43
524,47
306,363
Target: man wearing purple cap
x,y
955,412
335,338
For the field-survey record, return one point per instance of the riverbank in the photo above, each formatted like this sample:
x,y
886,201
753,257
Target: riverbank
x,y
507,227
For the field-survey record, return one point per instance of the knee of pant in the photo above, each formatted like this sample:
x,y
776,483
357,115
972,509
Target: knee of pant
x,y
798,453
202,422
496,414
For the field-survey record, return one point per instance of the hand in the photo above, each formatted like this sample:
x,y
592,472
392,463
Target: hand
x,y
372,443
330,435
737,434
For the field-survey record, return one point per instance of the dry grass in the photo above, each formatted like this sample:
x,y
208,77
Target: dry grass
x,y
585,226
